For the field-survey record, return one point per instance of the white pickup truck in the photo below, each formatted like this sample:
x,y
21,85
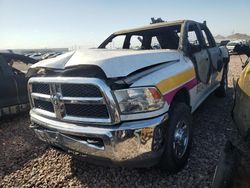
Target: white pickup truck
x,y
130,101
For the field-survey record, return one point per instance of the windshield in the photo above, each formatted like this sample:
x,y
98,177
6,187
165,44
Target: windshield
x,y
160,38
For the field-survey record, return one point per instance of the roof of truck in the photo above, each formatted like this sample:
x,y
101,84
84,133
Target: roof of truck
x,y
151,26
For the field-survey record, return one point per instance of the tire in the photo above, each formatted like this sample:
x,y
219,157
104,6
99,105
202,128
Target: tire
x,y
179,117
221,91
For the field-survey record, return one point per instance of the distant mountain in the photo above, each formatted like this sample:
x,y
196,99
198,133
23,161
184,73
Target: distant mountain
x,y
236,36
219,37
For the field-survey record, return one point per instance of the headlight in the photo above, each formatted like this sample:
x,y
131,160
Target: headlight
x,y
136,100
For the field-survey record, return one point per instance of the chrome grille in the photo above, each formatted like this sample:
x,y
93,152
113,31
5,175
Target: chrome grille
x,y
78,90
81,110
87,100
40,88
44,105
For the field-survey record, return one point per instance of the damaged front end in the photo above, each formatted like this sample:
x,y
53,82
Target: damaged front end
x,y
77,110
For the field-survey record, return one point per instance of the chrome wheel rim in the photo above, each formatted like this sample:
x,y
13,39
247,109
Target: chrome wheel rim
x,y
181,139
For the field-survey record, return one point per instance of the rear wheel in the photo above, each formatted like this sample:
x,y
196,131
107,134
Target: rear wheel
x,y
178,138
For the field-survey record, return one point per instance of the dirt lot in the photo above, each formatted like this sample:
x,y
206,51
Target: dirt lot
x,y
25,161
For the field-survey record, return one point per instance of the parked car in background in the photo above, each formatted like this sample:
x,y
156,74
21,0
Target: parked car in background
x,y
231,45
224,42
51,55
13,83
36,56
129,102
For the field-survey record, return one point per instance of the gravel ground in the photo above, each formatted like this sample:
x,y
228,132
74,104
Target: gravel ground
x,y
27,162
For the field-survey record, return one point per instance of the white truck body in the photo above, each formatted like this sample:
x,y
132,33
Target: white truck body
x,y
188,71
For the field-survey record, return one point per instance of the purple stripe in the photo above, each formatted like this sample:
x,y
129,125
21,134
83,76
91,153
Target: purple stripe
x,y
189,85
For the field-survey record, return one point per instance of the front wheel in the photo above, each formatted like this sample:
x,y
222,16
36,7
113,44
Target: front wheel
x,y
178,138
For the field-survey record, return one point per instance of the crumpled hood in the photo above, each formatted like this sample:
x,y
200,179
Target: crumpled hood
x,y
115,63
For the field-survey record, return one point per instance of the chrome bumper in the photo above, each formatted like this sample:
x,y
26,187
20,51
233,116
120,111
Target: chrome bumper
x,y
130,143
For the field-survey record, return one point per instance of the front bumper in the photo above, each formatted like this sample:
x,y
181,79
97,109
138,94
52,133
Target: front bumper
x,y
133,143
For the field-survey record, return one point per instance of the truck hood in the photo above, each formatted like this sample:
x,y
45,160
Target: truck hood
x,y
114,63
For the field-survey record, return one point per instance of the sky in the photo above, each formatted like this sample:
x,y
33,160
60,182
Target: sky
x,y
26,24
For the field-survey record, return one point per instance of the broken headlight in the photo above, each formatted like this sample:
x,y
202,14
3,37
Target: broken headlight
x,y
136,100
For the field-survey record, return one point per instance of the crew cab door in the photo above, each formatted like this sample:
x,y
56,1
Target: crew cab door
x,y
8,87
198,54
214,52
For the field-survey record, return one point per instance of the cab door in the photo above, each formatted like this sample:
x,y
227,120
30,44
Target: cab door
x,y
198,54
215,55
8,86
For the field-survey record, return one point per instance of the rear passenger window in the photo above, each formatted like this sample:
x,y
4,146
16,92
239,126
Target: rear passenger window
x,y
207,37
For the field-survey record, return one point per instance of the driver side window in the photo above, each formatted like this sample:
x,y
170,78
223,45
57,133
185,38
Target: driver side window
x,y
192,38
193,42
136,42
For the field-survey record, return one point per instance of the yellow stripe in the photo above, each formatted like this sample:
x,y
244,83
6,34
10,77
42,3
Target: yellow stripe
x,y
176,80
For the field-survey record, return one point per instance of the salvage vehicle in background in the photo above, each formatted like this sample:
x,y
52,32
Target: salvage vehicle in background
x,y
241,111
233,167
231,45
13,83
129,102
224,42
36,56
51,55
